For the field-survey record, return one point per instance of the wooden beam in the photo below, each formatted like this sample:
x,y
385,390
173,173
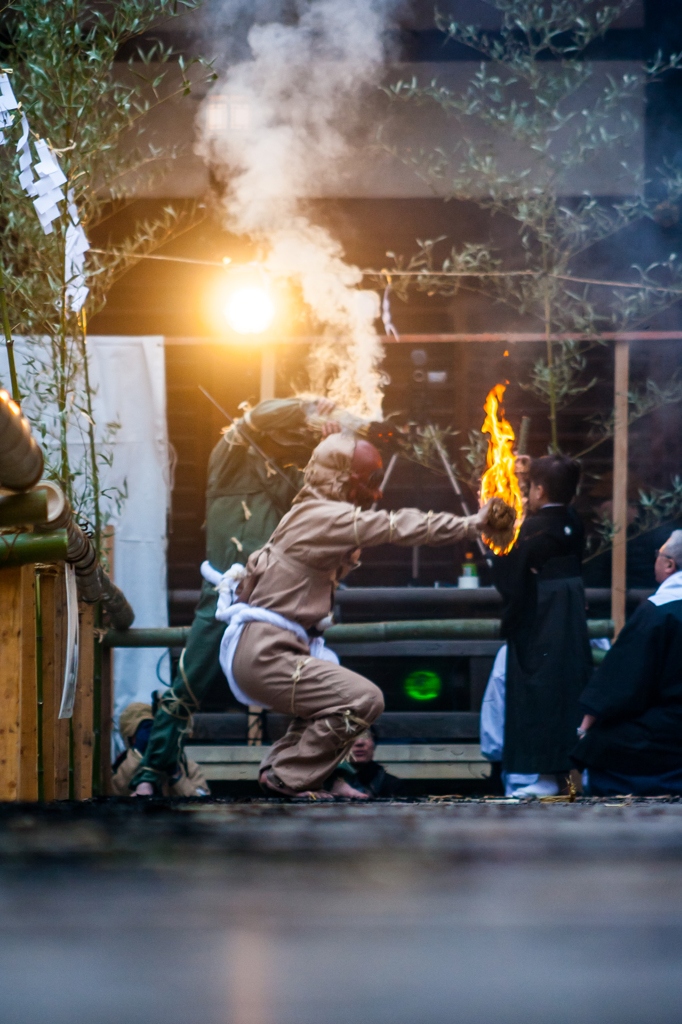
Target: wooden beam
x,y
28,754
620,484
83,730
55,730
106,721
10,682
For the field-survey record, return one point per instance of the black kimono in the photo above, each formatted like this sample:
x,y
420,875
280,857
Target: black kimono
x,y
636,697
548,657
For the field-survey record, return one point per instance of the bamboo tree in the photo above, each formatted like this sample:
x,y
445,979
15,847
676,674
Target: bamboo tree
x,y
525,95
94,111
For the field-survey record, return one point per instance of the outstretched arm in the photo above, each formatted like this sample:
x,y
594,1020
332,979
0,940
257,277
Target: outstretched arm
x,y
408,527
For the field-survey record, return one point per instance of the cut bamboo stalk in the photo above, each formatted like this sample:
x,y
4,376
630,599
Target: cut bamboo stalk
x,y
10,682
23,509
28,753
23,548
82,721
620,485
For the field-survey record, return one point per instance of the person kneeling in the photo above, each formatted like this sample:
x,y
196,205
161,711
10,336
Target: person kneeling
x,y
364,775
135,725
631,735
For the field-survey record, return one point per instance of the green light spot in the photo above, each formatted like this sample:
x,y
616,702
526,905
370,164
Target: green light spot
x,y
423,685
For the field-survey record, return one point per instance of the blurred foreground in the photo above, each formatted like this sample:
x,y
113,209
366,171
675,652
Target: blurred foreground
x,y
480,912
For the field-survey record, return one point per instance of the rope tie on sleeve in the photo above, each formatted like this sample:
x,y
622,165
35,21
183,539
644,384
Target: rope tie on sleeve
x,y
356,513
176,706
298,671
352,725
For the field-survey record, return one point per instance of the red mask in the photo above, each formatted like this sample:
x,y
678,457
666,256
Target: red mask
x,y
366,473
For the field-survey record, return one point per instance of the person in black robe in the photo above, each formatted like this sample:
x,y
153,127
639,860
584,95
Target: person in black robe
x,y
544,622
631,735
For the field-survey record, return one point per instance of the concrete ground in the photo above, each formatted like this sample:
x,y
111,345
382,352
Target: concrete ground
x,y
475,912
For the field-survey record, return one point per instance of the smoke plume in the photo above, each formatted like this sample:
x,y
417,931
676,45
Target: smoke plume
x,y
304,83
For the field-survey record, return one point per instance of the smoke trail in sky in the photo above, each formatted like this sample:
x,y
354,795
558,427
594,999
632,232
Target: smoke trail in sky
x,y
301,88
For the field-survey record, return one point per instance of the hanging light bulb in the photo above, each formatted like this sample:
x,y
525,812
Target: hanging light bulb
x,y
250,310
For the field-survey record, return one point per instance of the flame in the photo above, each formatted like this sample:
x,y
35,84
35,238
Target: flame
x,y
500,480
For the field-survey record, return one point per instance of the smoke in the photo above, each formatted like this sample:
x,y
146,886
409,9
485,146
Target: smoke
x,y
310,65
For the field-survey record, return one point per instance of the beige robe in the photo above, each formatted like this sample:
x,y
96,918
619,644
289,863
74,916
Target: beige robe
x,y
295,575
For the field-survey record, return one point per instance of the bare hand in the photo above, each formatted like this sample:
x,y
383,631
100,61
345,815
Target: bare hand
x,y
481,517
587,722
325,406
330,427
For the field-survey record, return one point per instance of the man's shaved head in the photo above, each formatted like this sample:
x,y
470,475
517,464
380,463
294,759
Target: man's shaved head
x,y
673,548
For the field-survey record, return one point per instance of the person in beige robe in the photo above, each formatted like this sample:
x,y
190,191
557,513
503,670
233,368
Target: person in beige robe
x,y
295,575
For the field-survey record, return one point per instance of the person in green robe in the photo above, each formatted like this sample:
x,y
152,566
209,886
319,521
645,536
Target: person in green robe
x,y
245,500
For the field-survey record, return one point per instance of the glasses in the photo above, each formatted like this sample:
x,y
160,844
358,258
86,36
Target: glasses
x,y
660,553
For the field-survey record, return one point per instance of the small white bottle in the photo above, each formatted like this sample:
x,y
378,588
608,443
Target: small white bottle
x,y
469,579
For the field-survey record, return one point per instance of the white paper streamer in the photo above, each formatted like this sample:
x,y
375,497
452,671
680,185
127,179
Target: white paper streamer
x,y
7,103
71,667
46,192
74,259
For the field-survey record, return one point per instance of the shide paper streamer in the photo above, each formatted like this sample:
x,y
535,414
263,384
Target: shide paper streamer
x,y
47,191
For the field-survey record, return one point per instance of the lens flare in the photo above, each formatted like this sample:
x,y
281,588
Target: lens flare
x,y
250,310
500,480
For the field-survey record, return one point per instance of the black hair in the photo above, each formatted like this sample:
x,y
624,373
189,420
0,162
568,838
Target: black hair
x,y
559,476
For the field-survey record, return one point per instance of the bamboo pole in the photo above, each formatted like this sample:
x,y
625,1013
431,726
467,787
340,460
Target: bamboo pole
x,y
23,548
355,632
620,485
254,728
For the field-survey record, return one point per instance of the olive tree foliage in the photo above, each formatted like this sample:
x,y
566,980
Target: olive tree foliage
x,y
93,110
528,94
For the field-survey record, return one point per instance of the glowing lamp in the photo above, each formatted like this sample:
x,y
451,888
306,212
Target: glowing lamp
x,y
249,310
423,684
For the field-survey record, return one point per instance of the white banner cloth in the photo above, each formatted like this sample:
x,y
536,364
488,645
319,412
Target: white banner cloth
x,y
130,377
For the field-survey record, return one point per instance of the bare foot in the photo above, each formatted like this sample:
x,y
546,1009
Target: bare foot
x,y
143,789
283,790
341,788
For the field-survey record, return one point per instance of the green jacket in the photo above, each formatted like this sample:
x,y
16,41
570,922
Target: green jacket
x,y
245,502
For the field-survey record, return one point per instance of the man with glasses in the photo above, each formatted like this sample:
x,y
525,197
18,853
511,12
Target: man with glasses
x,y
630,739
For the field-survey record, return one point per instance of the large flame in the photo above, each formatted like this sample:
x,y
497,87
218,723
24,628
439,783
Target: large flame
x,y
500,480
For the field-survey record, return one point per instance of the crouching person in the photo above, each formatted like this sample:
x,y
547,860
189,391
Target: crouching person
x,y
631,733
272,651
135,725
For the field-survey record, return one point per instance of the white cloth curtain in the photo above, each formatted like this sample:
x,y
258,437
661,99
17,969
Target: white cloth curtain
x,y
130,379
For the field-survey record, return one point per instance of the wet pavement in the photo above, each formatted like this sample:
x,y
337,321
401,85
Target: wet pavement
x,y
479,912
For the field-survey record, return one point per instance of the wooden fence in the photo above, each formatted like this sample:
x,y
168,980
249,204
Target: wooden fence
x,y
43,757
